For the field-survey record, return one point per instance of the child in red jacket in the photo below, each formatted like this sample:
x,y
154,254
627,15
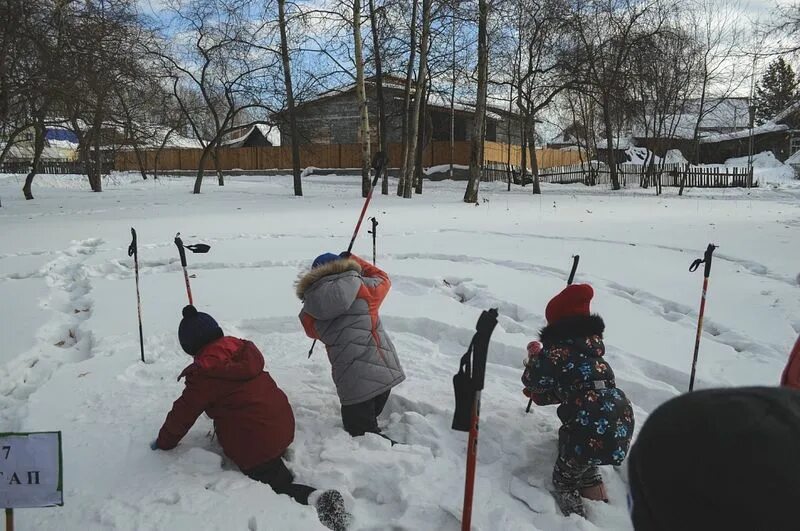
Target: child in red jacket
x,y
252,416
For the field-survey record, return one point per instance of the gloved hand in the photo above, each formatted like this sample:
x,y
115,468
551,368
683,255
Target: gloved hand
x,y
527,392
154,445
534,349
345,254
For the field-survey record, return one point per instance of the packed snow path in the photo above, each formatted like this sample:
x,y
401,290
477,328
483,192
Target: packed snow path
x,y
70,343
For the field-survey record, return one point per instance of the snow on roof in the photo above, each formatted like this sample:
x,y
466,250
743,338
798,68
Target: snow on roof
x,y
769,127
719,116
794,159
786,112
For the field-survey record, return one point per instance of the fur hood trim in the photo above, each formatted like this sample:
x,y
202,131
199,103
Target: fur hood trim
x,y
572,327
309,278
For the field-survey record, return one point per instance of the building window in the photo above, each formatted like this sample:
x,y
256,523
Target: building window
x,y
491,130
794,143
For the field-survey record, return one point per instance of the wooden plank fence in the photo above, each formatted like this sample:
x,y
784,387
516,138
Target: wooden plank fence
x,y
671,175
331,156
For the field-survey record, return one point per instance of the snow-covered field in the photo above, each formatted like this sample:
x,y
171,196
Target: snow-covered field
x,y
70,356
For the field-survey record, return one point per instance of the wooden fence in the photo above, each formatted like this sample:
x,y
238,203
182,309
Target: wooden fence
x,y
332,156
674,175
48,167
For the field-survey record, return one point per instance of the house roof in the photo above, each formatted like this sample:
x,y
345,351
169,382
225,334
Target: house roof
x,y
788,111
240,140
769,127
720,115
396,83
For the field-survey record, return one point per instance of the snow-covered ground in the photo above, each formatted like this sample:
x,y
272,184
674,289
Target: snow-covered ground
x,y
70,357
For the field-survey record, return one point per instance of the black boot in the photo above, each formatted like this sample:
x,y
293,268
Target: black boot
x,y
331,511
570,502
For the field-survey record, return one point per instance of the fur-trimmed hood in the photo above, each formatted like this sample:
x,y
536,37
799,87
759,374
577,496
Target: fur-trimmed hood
x,y
309,278
572,327
329,290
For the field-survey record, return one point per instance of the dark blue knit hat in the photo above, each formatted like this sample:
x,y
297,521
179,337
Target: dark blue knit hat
x,y
197,330
325,259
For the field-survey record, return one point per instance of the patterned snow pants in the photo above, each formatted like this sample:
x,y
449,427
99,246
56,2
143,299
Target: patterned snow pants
x,y
568,481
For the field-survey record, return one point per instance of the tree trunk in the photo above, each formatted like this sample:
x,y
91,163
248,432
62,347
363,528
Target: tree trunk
x,y
217,165
537,188
157,156
421,145
198,182
612,158
96,177
383,140
453,101
287,81
140,160
361,95
700,111
401,183
476,149
38,148
418,98
524,155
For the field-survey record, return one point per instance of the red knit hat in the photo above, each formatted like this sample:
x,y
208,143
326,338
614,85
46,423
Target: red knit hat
x,y
573,300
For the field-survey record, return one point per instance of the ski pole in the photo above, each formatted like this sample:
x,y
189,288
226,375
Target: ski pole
x,y
374,233
133,250
196,248
468,384
696,264
575,259
378,164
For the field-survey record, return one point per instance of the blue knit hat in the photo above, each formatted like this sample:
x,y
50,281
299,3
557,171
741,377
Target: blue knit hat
x,y
325,259
197,330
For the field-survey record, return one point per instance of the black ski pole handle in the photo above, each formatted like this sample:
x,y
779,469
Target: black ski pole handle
x,y
133,248
201,248
179,244
374,225
575,260
707,257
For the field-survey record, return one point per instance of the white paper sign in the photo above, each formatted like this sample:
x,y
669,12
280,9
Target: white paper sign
x,y
30,470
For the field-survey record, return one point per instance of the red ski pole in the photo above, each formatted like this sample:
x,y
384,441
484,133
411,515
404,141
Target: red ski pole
x,y
378,164
196,248
707,261
468,384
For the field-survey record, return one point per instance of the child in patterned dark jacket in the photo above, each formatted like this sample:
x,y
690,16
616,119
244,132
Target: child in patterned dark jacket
x,y
569,369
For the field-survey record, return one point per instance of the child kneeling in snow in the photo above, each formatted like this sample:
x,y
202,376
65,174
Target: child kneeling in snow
x,y
341,296
597,418
252,416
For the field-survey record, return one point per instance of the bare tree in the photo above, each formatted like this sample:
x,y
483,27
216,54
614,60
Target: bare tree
x,y
606,32
383,132
544,56
403,183
479,121
719,35
361,98
416,112
665,71
223,55
287,76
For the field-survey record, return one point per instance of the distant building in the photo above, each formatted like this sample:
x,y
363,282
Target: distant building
x,y
253,136
333,118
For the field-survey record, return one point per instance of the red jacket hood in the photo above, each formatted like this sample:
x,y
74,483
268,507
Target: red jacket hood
x,y
227,358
